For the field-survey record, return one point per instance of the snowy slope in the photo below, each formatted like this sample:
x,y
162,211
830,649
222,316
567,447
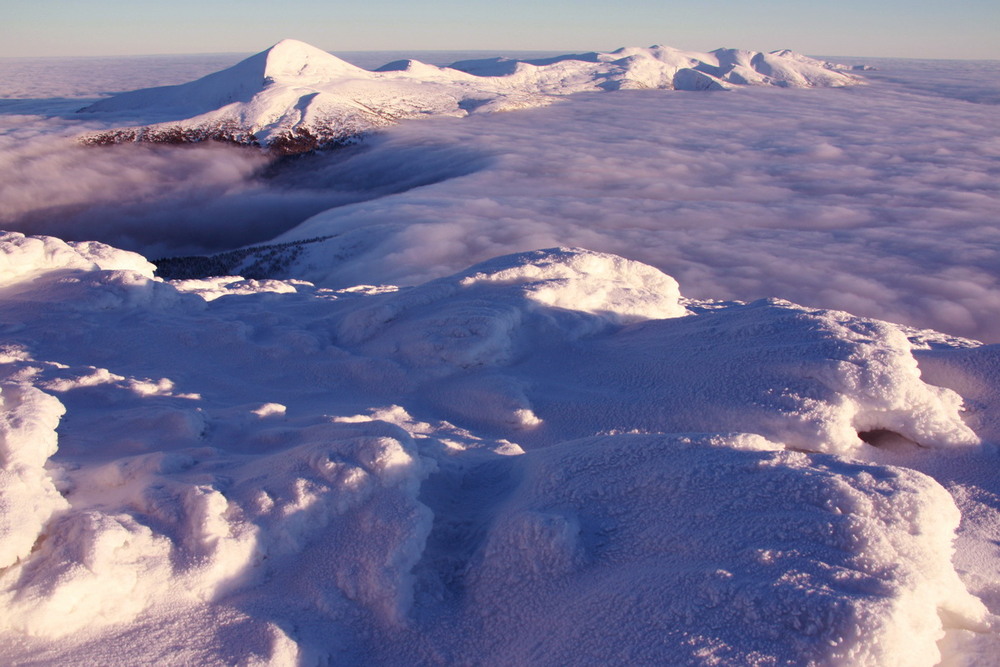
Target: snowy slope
x,y
294,97
549,458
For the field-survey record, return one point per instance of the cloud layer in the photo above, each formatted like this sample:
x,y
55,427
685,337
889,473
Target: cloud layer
x,y
168,201
875,200
882,200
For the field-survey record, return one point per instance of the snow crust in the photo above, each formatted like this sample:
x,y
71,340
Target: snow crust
x,y
23,258
550,457
840,566
496,311
294,97
813,380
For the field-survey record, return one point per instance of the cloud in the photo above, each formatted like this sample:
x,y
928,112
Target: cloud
x,y
881,200
166,200
874,200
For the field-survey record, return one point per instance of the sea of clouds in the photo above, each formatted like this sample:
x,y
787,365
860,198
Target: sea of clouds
x,y
882,200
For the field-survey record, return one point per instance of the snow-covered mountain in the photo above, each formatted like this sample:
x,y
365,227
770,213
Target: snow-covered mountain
x,y
294,97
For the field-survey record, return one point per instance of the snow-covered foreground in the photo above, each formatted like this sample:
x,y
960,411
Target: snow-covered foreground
x,y
549,458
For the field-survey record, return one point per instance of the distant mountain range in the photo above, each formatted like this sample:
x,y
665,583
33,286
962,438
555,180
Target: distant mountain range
x,y
294,97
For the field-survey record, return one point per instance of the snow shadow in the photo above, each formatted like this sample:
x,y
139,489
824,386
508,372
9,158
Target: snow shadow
x,y
43,106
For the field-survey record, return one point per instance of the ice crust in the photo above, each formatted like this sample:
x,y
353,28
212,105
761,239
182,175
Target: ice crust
x,y
294,97
551,457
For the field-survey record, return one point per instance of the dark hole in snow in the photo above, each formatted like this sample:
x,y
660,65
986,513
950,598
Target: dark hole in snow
x,y
886,439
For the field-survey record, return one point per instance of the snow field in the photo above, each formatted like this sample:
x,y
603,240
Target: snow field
x,y
546,456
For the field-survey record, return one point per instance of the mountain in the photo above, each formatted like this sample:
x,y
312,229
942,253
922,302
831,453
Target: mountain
x,y
294,97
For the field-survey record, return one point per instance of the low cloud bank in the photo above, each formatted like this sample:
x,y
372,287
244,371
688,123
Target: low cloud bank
x,y
877,201
165,201
882,201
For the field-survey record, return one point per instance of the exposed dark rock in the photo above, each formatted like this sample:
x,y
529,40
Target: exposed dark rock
x,y
294,142
255,262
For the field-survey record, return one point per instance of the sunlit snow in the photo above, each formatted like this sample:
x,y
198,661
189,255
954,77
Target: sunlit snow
x,y
521,388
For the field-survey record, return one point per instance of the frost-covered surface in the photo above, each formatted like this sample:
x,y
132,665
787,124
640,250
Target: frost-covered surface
x,y
712,550
294,97
550,457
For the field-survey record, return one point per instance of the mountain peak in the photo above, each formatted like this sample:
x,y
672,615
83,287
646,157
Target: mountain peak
x,y
291,58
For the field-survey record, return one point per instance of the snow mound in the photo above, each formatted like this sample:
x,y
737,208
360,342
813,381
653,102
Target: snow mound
x,y
586,281
333,489
25,258
294,97
812,380
85,276
484,316
680,550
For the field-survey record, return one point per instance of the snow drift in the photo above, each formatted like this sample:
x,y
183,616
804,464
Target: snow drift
x,y
549,457
294,97
708,550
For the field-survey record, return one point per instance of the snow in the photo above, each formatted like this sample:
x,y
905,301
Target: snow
x,y
238,478
545,456
576,565
25,258
28,497
294,97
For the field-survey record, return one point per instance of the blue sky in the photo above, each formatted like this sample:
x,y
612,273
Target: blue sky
x,y
913,28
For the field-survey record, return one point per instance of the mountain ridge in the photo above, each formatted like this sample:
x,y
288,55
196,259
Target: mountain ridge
x,y
294,97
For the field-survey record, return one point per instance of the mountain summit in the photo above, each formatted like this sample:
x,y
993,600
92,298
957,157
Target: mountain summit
x,y
289,62
294,97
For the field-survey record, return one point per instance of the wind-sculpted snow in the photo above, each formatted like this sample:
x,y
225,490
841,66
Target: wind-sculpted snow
x,y
28,497
550,457
713,550
482,316
294,97
23,258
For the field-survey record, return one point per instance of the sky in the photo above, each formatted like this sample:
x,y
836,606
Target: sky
x,y
966,29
